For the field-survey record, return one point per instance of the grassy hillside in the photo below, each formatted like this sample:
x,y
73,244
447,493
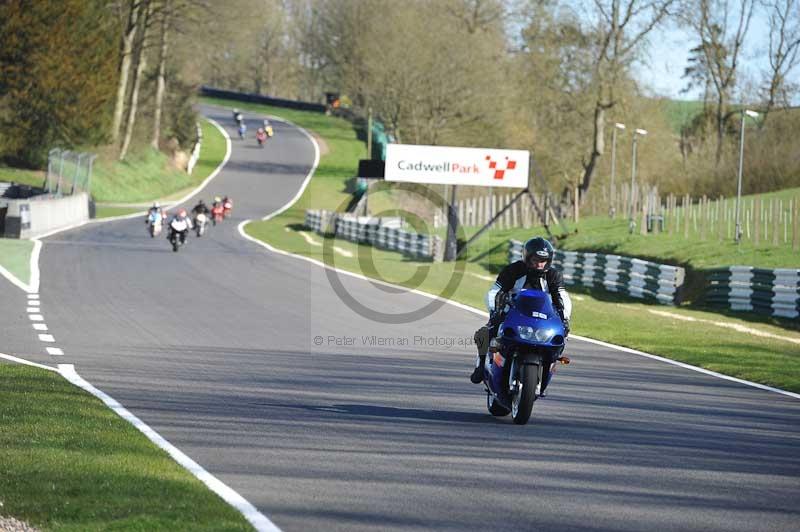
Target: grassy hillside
x,y
145,175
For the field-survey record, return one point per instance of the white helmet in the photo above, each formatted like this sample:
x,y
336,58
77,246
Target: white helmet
x,y
156,205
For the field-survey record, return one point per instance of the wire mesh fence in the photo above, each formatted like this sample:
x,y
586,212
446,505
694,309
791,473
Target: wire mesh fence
x,y
68,172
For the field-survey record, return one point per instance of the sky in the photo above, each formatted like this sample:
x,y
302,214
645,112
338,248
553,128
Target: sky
x,y
660,72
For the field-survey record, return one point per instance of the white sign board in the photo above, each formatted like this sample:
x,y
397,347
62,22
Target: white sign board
x,y
457,166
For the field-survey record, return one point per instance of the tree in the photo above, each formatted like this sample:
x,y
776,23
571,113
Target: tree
x,y
131,10
57,76
784,42
620,29
721,49
140,62
165,15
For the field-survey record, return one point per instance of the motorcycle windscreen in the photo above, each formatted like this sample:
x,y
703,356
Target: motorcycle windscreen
x,y
536,304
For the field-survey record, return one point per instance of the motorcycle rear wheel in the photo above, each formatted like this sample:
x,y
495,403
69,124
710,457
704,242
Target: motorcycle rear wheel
x,y
522,401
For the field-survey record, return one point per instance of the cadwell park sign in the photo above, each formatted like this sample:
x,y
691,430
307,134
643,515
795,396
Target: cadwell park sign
x,y
457,166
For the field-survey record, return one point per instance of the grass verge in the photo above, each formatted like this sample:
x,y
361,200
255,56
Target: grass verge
x,y
15,256
105,211
709,342
105,476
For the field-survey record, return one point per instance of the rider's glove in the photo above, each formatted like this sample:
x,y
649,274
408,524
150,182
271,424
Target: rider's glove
x,y
566,327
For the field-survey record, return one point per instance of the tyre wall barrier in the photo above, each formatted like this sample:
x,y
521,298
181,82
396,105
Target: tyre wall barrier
x,y
774,292
634,277
385,233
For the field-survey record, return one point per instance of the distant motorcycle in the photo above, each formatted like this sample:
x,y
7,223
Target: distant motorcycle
x,y
200,222
227,207
217,213
154,224
261,137
177,233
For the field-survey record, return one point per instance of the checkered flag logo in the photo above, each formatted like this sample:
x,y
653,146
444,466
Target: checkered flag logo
x,y
500,172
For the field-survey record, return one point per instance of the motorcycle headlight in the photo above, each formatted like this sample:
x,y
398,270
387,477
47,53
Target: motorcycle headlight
x,y
538,335
525,332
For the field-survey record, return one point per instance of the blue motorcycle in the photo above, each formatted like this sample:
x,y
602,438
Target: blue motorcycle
x,y
529,341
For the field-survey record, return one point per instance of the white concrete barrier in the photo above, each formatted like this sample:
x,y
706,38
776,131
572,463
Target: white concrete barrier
x,y
29,218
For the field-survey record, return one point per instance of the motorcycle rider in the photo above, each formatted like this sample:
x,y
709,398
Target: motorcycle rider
x,y
227,205
535,270
180,224
200,208
217,210
154,214
261,136
197,210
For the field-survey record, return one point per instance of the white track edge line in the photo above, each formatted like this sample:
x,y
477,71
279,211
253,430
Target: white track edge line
x,y
13,279
27,362
256,518
472,309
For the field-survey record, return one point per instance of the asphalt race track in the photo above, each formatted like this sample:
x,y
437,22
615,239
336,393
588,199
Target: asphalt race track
x,y
249,362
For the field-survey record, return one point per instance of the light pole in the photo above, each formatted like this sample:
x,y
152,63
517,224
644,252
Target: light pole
x,y
745,113
612,210
636,133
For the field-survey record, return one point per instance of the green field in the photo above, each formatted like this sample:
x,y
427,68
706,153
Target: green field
x,y
70,464
710,341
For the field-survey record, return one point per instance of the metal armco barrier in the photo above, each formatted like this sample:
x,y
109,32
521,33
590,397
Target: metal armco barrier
x,y
258,98
383,233
634,277
776,292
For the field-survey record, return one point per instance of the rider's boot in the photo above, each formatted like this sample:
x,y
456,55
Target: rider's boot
x,y
477,373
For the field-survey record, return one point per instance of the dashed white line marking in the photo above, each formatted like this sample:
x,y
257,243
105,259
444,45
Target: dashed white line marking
x,y
40,326
54,351
34,302
33,296
33,309
35,317
46,338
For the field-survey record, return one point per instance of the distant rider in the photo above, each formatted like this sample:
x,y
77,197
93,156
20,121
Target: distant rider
x,y
180,224
535,270
200,208
227,206
154,214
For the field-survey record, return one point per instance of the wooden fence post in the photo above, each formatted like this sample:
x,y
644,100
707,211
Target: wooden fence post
x,y
795,236
686,206
756,221
776,222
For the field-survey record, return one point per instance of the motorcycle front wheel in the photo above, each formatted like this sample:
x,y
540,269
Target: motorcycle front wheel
x,y
522,401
